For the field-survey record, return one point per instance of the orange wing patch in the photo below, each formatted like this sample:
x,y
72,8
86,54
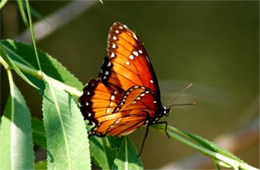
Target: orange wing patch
x,y
98,100
128,61
136,106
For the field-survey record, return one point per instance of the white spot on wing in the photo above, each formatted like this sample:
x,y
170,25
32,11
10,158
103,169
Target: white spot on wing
x,y
114,38
131,57
106,73
151,81
116,31
109,64
135,37
112,97
127,63
112,55
135,53
140,51
120,27
113,45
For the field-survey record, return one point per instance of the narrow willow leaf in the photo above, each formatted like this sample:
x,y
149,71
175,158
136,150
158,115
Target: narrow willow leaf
x,y
212,146
38,132
24,54
16,148
7,59
20,5
40,165
36,13
67,141
22,8
104,150
2,3
126,157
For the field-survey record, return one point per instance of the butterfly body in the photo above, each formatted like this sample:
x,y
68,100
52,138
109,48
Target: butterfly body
x,y
126,93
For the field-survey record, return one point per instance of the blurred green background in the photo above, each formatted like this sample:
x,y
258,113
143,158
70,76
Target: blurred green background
x,y
214,45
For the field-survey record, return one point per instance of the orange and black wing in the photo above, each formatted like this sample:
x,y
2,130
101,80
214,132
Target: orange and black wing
x,y
127,64
135,108
126,94
98,100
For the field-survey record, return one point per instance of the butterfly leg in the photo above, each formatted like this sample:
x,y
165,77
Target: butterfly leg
x,y
145,136
166,124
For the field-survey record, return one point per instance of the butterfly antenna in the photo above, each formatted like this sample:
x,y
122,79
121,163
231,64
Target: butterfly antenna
x,y
183,104
179,94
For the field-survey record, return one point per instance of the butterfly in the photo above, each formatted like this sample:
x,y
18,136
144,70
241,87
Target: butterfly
x,y
126,94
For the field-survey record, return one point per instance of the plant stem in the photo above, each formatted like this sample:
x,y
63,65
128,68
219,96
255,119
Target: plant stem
x,y
178,135
41,75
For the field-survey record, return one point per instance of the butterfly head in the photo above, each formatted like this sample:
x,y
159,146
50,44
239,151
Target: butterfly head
x,y
166,110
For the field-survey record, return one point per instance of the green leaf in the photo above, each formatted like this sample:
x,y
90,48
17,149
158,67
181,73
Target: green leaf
x,y
22,9
36,13
24,54
126,157
38,132
41,165
16,148
7,59
67,141
2,3
212,146
103,150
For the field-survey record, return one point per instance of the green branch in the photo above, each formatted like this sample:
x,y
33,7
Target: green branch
x,y
41,75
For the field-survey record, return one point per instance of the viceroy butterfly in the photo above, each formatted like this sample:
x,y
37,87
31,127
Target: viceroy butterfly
x,y
126,93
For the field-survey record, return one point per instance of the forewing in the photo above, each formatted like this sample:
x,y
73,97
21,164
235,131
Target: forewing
x,y
127,63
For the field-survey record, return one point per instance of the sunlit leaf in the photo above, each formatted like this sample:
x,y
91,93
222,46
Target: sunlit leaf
x,y
40,165
16,148
67,141
7,59
24,54
126,157
211,146
103,150
2,3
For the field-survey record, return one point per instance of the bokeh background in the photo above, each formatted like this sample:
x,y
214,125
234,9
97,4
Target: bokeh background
x,y
213,44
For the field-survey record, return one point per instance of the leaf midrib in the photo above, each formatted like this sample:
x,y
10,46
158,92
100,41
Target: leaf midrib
x,y
62,125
